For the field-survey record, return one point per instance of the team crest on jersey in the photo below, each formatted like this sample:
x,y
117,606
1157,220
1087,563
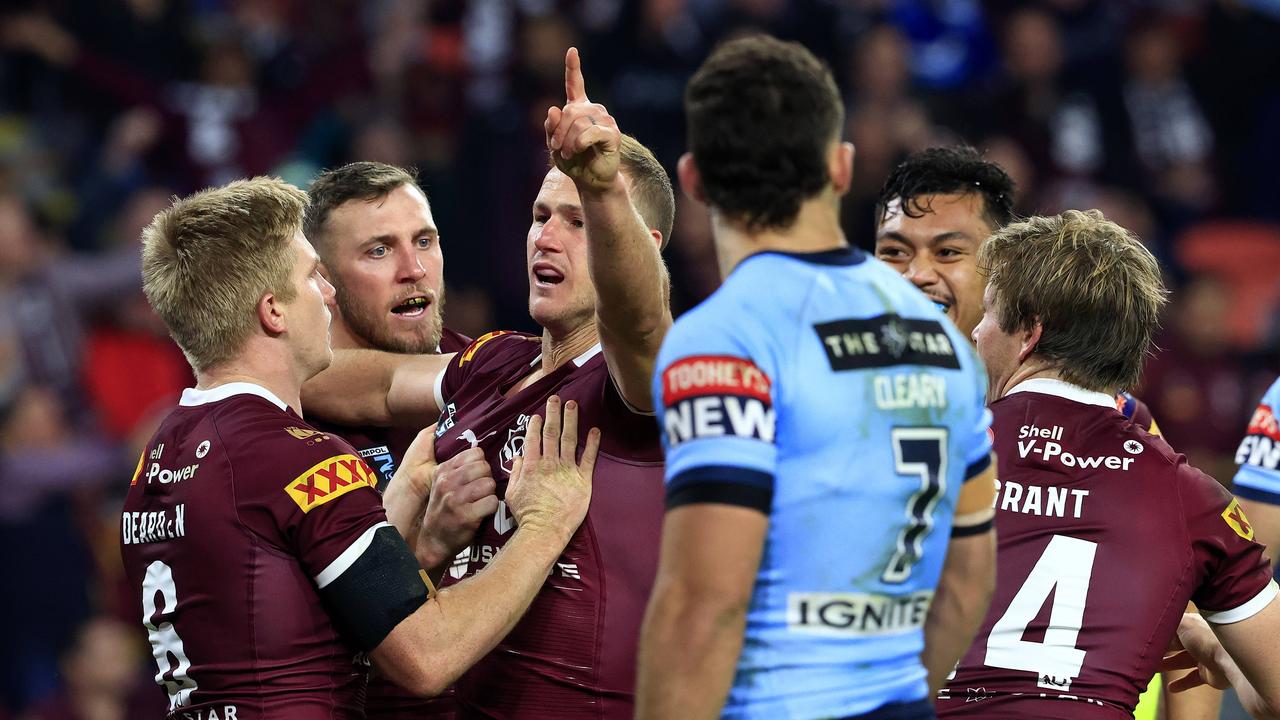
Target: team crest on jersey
x,y
1234,515
311,436
465,356
514,446
329,479
714,396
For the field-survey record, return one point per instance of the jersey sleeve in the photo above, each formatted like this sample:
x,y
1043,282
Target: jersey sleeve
x,y
715,391
1235,577
468,361
978,443
306,491
1259,453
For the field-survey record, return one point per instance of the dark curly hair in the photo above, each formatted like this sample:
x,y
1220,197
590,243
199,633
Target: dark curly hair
x,y
956,170
761,114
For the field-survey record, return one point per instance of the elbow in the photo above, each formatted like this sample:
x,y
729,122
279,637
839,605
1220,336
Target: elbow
x,y
427,680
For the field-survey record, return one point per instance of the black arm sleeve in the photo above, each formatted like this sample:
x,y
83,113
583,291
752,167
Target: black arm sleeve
x,y
382,587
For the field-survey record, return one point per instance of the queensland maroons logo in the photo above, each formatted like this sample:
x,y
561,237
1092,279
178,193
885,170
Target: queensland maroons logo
x,y
514,446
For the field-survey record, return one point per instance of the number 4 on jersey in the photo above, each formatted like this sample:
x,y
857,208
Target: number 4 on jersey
x,y
1064,569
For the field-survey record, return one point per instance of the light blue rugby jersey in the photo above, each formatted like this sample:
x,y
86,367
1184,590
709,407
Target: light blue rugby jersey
x,y
1259,452
826,391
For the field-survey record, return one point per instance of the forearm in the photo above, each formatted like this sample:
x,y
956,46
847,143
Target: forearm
x,y
688,653
469,619
353,389
1201,703
959,606
626,266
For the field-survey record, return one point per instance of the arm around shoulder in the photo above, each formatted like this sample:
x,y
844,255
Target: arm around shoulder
x,y
370,387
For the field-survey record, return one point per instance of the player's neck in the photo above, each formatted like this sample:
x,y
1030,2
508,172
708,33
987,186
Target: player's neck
x,y
342,338
816,229
1030,370
560,348
264,368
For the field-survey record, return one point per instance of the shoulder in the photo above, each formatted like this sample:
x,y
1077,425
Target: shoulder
x,y
452,341
498,345
273,451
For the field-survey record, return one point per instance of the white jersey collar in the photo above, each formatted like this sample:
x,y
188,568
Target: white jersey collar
x,y
192,397
1065,390
580,360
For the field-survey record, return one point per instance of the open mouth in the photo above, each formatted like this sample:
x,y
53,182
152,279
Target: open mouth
x,y
943,305
545,275
412,307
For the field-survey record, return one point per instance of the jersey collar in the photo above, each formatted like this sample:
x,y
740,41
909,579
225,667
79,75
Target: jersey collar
x,y
1064,390
192,397
578,361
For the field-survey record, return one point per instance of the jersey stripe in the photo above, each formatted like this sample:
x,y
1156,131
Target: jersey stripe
x,y
348,556
1245,611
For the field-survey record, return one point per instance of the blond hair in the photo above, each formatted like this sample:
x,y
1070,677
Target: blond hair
x,y
1092,286
210,257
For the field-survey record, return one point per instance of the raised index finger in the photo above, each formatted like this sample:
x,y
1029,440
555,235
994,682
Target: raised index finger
x,y
575,90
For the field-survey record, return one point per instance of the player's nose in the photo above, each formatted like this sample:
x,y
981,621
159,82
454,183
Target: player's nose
x,y
328,292
411,268
547,238
921,272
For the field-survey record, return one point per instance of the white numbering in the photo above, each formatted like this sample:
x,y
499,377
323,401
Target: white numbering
x,y
164,638
919,453
1064,569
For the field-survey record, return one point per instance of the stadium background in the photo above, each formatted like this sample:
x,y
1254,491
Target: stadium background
x,y
1163,114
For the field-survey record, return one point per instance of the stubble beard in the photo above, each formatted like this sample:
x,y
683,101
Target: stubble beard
x,y
369,325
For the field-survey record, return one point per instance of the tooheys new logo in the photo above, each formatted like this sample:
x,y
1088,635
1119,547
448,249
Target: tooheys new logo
x,y
716,395
1261,447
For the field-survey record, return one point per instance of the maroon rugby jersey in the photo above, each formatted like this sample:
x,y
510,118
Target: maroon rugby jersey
x,y
573,653
1104,535
383,448
237,512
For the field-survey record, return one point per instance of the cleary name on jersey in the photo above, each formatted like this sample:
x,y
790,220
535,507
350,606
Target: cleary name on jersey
x,y
239,519
1104,535
1259,452
573,653
846,407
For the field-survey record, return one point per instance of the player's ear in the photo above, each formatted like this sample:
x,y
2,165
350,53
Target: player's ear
x,y
1030,339
691,178
658,240
840,167
271,314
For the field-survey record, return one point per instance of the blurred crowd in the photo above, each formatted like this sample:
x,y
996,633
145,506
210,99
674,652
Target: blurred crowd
x,y
1160,113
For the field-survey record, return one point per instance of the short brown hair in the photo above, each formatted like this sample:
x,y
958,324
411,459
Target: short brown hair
x,y
651,186
761,115
1093,287
209,258
362,180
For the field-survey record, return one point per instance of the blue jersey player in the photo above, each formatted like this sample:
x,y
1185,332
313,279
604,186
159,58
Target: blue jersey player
x,y
828,456
1257,483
